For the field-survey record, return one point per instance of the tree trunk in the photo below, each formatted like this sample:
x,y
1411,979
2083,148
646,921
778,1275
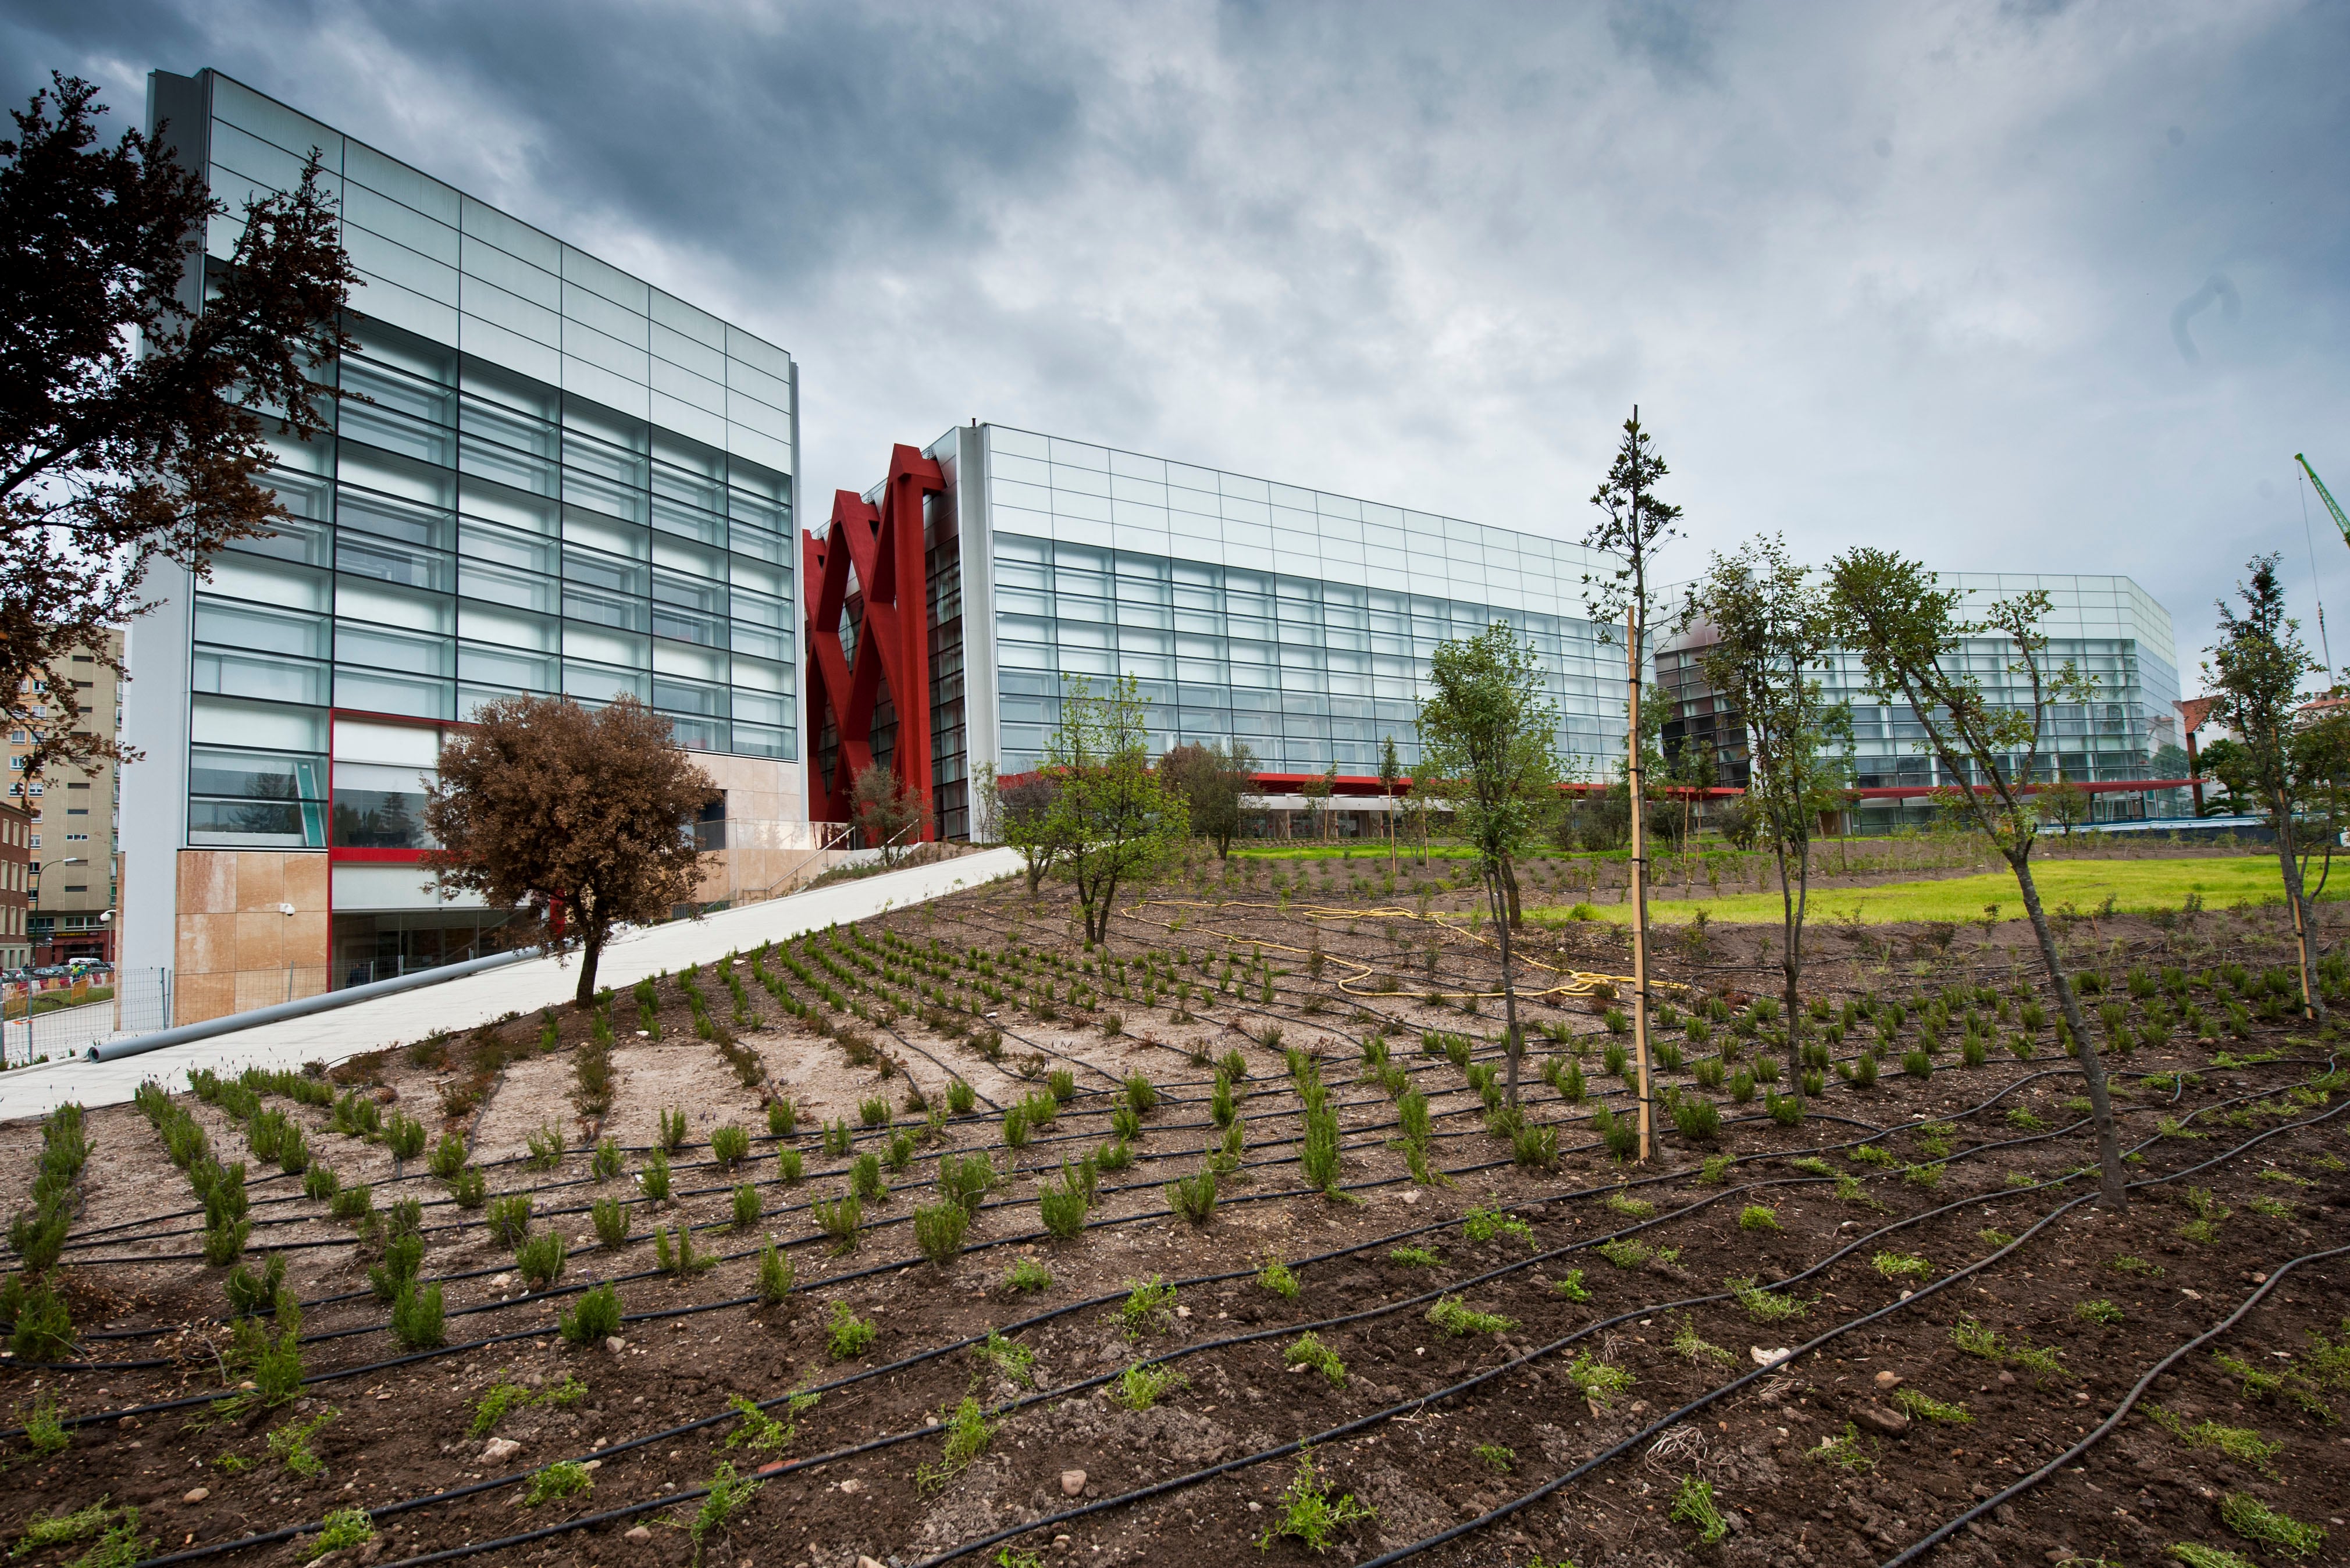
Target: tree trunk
x,y
2111,1181
2313,1007
1510,888
1513,1047
591,951
1791,966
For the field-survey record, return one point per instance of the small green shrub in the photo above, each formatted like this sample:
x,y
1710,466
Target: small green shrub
x,y
1693,1505
541,1259
1759,1217
1194,1197
846,1335
939,1230
564,1479
509,1219
418,1318
1143,1385
1307,1350
1308,1514
593,1318
1597,1381
1027,1275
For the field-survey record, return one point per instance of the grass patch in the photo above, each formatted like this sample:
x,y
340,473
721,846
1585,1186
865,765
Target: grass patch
x,y
2136,887
1925,1407
1459,1321
2259,1523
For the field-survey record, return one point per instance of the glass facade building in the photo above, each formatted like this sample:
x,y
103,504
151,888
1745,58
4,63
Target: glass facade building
x,y
545,476
1302,623
1299,622
2108,627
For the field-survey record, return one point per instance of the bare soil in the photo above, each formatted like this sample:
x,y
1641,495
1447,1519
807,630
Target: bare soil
x,y
1443,1430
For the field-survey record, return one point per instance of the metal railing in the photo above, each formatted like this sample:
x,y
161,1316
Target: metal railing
x,y
64,1021
829,838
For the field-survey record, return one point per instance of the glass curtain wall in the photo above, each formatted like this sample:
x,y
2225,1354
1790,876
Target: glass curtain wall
x,y
545,477
1282,617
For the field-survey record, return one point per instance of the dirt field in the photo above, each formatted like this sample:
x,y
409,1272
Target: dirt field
x,y
1518,1343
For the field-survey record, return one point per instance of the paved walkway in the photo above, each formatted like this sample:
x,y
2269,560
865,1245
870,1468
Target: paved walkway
x,y
471,1001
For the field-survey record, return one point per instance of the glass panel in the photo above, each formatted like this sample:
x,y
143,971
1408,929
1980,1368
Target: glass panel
x,y
388,649
388,390
509,667
594,569
507,626
687,522
504,465
507,586
507,546
603,496
601,683
260,629
625,612
379,807
381,691
689,697
397,432
385,562
617,464
523,432
251,675
213,720
255,775
710,631
255,823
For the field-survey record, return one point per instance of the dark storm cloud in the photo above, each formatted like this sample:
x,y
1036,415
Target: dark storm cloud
x,y
1915,275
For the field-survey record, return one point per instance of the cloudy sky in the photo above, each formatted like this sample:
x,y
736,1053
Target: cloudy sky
x,y
2011,286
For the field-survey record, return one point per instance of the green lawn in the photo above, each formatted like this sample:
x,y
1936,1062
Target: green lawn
x,y
2134,886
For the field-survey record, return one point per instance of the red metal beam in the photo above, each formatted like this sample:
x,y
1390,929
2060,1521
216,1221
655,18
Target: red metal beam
x,y
883,545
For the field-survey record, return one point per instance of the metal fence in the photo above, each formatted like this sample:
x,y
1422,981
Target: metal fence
x,y
61,1020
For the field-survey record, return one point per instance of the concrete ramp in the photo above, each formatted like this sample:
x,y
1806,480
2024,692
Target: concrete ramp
x,y
467,1002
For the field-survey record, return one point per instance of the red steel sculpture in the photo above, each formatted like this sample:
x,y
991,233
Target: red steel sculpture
x,y
883,547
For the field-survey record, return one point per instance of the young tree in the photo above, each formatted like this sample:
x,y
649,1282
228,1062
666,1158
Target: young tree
x,y
1021,806
1486,730
1390,773
1637,523
2255,676
1113,816
1910,637
1772,635
129,430
891,815
1213,781
543,802
2062,803
1317,790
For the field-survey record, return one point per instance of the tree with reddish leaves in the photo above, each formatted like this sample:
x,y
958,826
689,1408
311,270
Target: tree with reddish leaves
x,y
132,428
544,801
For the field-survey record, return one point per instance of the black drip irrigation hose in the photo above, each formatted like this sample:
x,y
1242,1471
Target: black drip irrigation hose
x,y
569,1289
2105,1428
887,1440
1668,1421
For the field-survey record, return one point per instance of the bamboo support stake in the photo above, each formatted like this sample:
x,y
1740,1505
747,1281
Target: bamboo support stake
x,y
1639,891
